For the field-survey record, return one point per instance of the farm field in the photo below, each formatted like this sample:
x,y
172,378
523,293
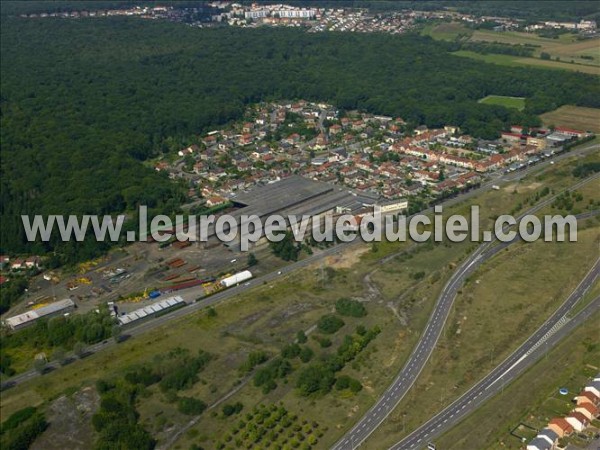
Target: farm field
x,y
577,117
567,47
566,52
508,102
518,61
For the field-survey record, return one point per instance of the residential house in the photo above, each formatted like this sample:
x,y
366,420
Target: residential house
x,y
189,150
321,140
210,140
32,261
560,426
18,264
420,130
588,410
424,176
570,132
292,139
578,421
593,387
539,143
246,139
215,201
588,397
358,125
457,161
335,129
545,440
260,152
511,137
161,165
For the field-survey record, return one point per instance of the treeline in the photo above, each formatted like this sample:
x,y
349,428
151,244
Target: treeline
x,y
11,291
84,102
486,48
586,169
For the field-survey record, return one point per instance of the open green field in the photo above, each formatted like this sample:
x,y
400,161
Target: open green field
x,y
576,117
518,61
508,102
533,398
446,31
566,47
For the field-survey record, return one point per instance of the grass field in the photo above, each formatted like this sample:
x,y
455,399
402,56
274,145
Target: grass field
x,y
577,117
446,31
517,61
532,398
508,102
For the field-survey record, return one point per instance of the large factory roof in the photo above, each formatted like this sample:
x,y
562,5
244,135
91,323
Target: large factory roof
x,y
274,197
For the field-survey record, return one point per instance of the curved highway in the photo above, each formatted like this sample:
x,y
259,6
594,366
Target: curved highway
x,y
552,331
423,349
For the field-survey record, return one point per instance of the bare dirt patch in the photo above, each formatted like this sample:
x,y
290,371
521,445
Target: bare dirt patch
x,y
347,259
70,422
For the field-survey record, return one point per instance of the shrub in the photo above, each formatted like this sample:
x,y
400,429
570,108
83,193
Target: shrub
x,y
329,324
306,354
349,307
191,406
301,336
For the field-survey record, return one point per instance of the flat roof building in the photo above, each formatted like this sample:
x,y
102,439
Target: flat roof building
x,y
28,318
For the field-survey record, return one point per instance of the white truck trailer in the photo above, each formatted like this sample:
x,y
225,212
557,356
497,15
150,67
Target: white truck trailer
x,y
237,278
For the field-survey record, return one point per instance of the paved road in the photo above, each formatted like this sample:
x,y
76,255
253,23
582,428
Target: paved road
x,y
558,326
424,348
191,294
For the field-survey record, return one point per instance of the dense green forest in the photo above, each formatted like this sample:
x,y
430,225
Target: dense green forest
x,y
84,102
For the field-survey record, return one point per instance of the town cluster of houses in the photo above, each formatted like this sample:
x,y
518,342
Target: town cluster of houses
x,y
317,19
17,265
587,408
369,153
31,262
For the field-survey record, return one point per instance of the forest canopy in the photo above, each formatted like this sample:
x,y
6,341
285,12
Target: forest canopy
x,y
85,102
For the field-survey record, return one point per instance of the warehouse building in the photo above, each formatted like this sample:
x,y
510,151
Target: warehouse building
x,y
159,308
298,196
30,317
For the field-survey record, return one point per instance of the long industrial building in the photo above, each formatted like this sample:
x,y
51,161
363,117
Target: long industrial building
x,y
152,310
47,311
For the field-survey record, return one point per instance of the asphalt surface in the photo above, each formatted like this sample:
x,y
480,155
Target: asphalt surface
x,y
191,294
557,327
